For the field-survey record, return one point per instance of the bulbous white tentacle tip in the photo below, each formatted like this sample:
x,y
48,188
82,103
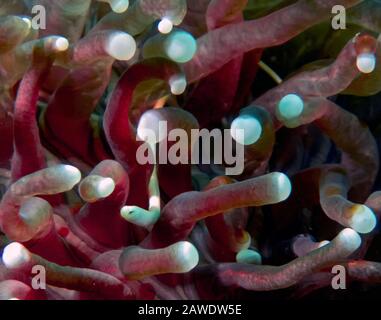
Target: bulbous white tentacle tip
x,y
180,46
249,256
15,255
363,220
121,46
246,130
27,21
154,201
150,129
143,134
35,211
349,239
73,172
290,107
165,26
125,211
178,84
366,62
134,215
119,6
61,44
105,187
186,255
283,184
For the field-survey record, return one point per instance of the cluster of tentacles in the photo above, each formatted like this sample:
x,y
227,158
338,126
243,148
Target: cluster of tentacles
x,y
74,199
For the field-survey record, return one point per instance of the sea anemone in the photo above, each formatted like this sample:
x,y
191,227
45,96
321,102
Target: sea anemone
x,y
84,88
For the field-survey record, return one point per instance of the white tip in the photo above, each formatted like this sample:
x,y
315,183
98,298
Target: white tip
x,y
151,129
250,128
165,26
154,201
349,239
61,44
147,135
119,6
249,256
73,173
363,220
121,46
290,107
366,62
178,84
105,187
125,210
15,255
180,46
186,255
283,185
35,212
28,22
